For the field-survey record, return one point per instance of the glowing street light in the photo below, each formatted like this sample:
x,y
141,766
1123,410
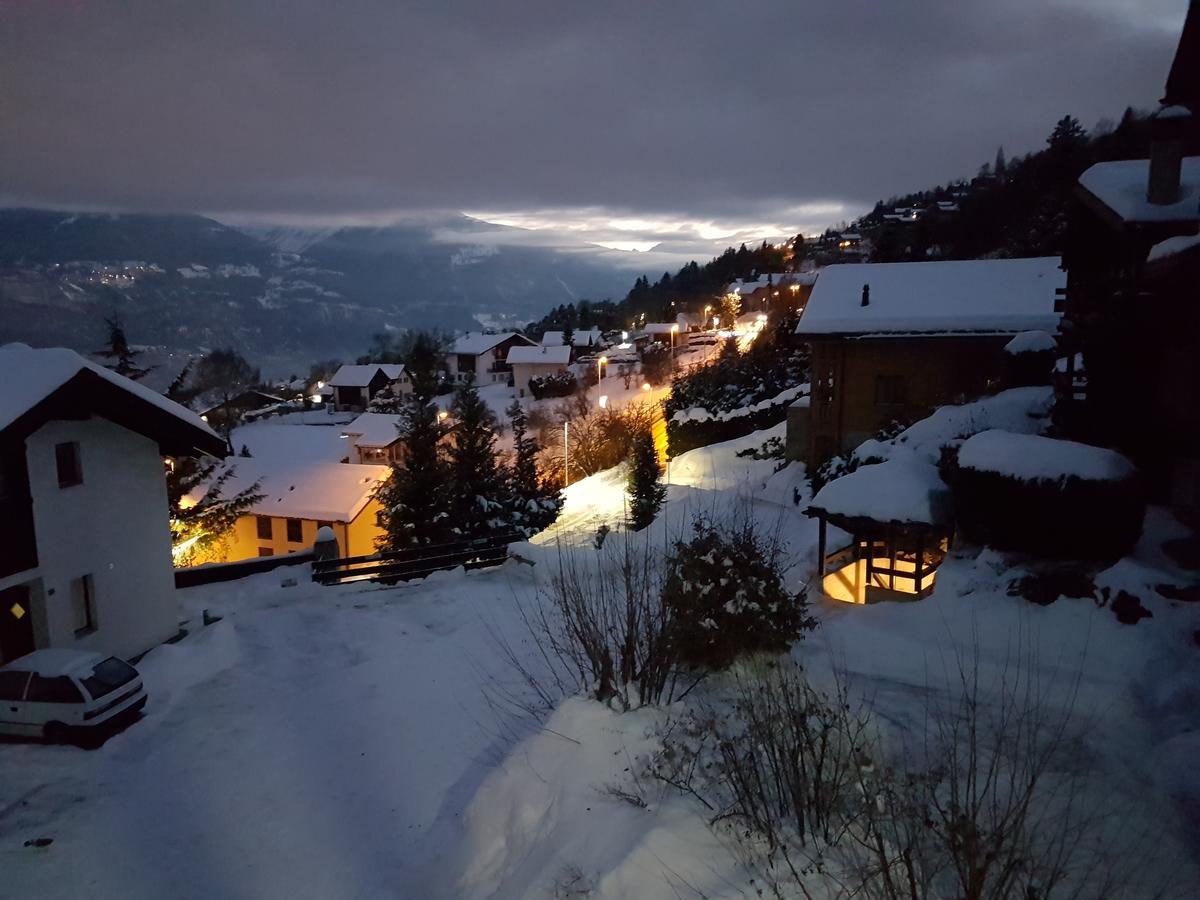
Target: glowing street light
x,y
604,401
645,386
602,361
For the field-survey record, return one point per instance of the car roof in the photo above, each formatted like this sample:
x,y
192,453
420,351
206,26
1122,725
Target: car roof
x,y
53,662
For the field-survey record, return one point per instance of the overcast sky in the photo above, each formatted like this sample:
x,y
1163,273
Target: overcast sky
x,y
691,124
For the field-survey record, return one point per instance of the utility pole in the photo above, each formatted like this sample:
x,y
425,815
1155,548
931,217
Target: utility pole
x,y
566,458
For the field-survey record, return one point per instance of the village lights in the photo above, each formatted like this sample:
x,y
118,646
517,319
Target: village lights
x,y
443,415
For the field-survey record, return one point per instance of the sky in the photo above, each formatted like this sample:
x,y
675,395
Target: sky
x,y
679,126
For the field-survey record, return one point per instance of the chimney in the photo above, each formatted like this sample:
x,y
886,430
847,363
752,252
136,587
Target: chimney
x,y
866,300
1168,128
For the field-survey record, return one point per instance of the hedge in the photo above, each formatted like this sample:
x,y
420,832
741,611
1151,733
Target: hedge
x,y
688,435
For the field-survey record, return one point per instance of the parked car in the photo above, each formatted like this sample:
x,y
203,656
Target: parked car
x,y
63,695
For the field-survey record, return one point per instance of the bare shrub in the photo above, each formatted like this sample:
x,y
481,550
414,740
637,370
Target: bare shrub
x,y
997,799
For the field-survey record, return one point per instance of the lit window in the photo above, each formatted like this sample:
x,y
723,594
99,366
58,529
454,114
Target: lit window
x,y
83,608
66,459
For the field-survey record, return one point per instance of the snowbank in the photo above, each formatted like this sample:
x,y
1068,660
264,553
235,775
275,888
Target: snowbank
x,y
1031,457
1031,342
1023,410
1172,246
700,414
170,669
892,491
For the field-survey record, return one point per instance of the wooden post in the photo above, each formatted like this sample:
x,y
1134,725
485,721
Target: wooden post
x,y
920,559
821,552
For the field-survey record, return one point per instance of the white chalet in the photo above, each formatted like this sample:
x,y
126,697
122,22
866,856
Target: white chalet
x,y
536,362
85,539
356,386
374,439
483,355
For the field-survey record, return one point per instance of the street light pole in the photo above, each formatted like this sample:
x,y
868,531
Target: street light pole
x,y
566,458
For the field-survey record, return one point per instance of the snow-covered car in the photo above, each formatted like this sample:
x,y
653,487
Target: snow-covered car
x,y
65,694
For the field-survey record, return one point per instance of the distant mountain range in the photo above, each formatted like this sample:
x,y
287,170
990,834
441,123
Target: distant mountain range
x,y
282,296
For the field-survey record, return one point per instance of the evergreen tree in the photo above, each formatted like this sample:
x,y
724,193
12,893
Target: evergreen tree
x,y
477,485
646,492
118,350
199,530
568,337
1001,166
533,504
415,502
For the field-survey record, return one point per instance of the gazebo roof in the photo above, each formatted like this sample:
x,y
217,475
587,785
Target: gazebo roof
x,y
902,492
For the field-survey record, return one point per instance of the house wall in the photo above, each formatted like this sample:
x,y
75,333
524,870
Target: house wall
x,y
522,372
349,398
356,538
114,527
846,406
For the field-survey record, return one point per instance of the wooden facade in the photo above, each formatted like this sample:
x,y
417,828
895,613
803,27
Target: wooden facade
x,y
861,385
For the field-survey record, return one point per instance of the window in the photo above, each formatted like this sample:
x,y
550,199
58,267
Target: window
x,y
53,690
321,525
108,676
263,525
295,531
83,605
265,551
890,390
12,685
66,458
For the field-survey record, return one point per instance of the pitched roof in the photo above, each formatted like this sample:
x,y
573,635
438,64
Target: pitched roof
x,y
902,491
1121,186
983,296
55,382
560,355
578,339
317,490
374,429
476,342
361,375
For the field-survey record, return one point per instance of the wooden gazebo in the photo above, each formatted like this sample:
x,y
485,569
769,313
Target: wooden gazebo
x,y
897,523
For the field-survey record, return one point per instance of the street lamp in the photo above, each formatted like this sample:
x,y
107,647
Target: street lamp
x,y
602,361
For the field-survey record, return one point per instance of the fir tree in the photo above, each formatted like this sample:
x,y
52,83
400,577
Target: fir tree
x,y
478,487
199,530
1001,166
118,350
646,492
415,502
533,504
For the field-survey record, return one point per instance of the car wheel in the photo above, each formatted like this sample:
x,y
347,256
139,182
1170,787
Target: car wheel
x,y
56,733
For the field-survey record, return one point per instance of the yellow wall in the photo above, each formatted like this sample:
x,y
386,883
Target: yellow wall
x,y
363,531
356,538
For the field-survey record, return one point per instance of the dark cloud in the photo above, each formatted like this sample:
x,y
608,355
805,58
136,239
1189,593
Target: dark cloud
x,y
742,113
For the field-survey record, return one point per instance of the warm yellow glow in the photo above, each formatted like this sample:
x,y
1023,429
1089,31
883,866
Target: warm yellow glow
x,y
794,288
442,415
180,549
645,387
849,583
602,361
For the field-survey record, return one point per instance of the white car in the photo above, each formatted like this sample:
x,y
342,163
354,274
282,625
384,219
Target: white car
x,y
62,694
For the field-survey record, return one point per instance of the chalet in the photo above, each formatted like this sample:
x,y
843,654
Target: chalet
x,y
580,340
356,386
228,413
484,356
299,498
374,439
892,341
85,538
756,294
1131,324
536,362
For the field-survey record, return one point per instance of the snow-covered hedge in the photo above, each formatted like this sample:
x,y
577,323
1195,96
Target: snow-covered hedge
x,y
698,427
560,384
1046,497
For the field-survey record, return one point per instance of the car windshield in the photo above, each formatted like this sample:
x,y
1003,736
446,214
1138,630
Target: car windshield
x,y
108,676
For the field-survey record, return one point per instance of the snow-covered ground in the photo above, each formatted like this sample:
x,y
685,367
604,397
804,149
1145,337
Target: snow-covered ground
x,y
339,742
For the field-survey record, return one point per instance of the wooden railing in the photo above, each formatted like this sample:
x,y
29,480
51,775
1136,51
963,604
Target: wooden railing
x,y
417,562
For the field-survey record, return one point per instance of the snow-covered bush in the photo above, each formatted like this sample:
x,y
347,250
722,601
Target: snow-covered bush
x,y
725,589
1045,497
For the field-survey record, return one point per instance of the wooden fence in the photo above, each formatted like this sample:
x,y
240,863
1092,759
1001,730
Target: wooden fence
x,y
402,565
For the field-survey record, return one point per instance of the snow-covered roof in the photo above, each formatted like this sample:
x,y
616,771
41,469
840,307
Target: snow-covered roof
x,y
899,490
660,327
1121,186
1031,342
558,356
1031,457
30,376
1172,246
53,662
981,296
476,342
322,491
360,376
578,339
374,429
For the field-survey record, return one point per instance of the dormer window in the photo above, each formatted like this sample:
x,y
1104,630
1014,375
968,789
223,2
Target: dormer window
x,y
66,459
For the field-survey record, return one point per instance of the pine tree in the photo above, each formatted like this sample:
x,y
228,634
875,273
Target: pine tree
x,y
533,504
415,502
646,492
118,350
1001,165
477,485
